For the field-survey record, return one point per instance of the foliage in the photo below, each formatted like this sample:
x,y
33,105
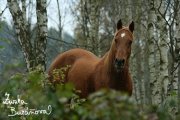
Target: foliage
x,y
59,74
38,93
111,105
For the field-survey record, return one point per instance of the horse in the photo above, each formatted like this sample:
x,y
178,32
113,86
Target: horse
x,y
90,73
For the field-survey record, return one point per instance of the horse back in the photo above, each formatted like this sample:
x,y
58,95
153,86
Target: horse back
x,y
76,59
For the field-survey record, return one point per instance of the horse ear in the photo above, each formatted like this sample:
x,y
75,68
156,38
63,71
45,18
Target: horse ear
x,y
119,24
131,26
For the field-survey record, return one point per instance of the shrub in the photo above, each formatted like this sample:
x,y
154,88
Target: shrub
x,y
39,93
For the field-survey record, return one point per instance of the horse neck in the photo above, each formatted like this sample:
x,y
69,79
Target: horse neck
x,y
117,80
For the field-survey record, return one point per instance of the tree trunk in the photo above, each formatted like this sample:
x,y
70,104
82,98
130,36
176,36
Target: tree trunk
x,y
34,55
177,50
94,25
42,33
84,22
162,71
149,62
21,32
178,97
137,52
60,26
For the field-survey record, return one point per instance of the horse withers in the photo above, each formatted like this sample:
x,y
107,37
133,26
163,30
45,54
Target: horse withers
x,y
89,73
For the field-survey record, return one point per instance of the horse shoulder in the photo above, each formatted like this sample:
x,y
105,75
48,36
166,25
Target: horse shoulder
x,y
80,75
100,76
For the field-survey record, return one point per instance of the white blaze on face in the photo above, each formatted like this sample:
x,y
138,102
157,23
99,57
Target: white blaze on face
x,y
123,34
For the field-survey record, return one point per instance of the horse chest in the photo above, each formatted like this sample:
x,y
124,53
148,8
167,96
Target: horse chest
x,y
117,82
121,82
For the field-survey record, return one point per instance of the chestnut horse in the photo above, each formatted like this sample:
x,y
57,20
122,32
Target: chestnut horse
x,y
89,73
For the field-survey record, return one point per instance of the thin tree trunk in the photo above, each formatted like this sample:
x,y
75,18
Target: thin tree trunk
x,y
137,73
163,76
60,26
94,25
84,18
42,33
150,56
148,98
151,48
171,57
178,98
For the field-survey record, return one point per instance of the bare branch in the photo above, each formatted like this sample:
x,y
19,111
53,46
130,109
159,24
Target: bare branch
x,y
3,10
68,43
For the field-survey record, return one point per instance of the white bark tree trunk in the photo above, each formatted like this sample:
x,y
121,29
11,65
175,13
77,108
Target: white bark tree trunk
x,y
42,33
21,32
149,60
151,48
162,71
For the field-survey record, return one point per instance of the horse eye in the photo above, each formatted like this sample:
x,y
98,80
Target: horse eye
x,y
130,42
116,40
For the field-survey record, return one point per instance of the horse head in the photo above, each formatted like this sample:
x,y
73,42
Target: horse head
x,y
122,45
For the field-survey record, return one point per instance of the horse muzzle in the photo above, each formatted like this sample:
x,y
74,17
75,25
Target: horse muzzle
x,y
119,64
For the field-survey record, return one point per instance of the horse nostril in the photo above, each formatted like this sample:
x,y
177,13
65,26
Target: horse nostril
x,y
116,60
122,61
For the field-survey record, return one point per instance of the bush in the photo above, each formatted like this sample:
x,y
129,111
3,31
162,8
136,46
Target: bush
x,y
34,89
38,93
